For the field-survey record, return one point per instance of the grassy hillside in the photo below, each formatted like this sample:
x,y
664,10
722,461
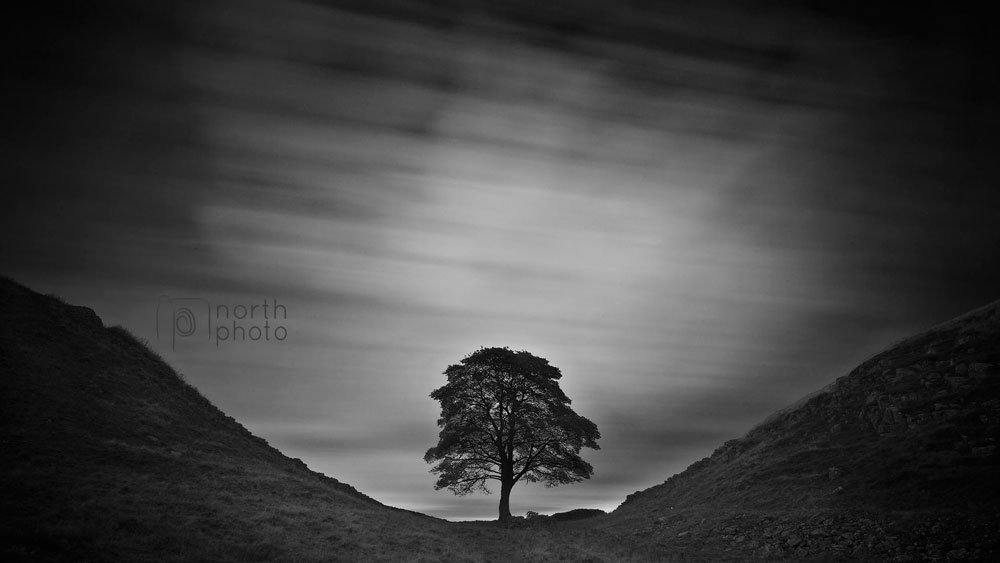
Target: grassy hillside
x,y
108,455
896,461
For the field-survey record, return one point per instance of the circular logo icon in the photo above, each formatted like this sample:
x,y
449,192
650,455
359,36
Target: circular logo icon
x,y
184,322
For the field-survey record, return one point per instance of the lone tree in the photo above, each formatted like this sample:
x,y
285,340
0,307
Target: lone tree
x,y
504,417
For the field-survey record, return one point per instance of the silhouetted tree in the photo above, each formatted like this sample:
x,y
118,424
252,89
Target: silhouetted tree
x,y
504,417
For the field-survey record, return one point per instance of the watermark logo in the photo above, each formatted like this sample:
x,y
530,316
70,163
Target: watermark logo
x,y
182,321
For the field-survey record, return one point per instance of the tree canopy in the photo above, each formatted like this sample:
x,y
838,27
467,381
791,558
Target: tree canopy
x,y
504,418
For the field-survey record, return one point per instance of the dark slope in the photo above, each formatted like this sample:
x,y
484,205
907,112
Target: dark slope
x,y
74,389
895,461
109,455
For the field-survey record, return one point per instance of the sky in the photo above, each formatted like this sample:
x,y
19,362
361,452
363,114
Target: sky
x,y
698,212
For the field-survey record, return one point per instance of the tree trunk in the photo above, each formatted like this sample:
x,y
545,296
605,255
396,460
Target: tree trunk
x,y
505,501
506,484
